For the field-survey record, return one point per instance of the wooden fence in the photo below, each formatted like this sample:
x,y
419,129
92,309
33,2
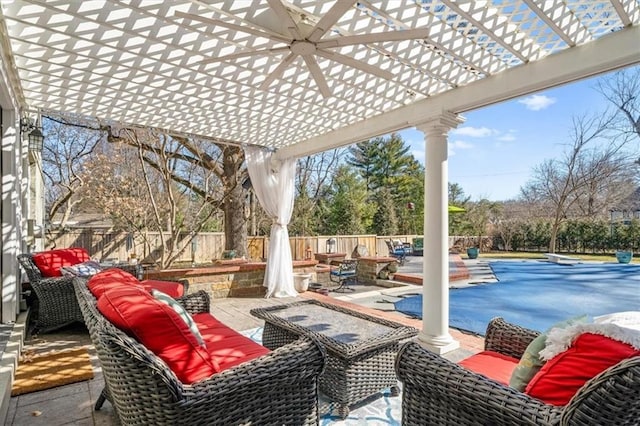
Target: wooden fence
x,y
210,245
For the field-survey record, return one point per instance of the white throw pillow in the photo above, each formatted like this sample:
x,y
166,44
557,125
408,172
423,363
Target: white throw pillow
x,y
629,319
181,311
84,269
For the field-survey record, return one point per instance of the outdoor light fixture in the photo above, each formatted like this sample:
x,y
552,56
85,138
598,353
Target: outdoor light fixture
x,y
34,132
331,245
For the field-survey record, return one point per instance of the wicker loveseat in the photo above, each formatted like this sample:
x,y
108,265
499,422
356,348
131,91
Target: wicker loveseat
x,y
277,388
439,392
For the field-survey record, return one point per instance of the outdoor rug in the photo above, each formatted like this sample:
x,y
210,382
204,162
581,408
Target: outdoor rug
x,y
377,411
40,372
537,294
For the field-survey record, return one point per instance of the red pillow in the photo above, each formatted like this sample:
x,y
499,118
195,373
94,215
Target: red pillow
x,y
171,288
563,375
491,364
160,329
49,262
110,278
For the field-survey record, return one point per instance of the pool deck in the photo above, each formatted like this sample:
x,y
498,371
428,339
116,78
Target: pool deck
x,y
73,404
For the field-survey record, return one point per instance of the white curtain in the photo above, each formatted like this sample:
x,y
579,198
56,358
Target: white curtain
x,y
273,183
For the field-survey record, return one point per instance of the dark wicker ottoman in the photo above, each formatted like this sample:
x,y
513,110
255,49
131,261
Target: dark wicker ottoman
x,y
361,349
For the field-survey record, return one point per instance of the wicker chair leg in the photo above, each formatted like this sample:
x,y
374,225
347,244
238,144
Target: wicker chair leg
x,y
343,411
101,399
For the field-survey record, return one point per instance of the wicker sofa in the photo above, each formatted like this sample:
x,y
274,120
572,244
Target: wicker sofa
x,y
438,391
277,388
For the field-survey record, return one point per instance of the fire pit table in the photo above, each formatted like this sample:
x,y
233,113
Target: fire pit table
x,y
361,349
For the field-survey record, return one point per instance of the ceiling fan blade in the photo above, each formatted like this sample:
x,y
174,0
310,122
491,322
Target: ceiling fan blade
x,y
277,72
373,38
244,54
217,22
316,72
329,19
354,63
284,15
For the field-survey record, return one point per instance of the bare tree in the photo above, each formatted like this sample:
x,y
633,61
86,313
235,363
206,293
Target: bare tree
x,y
225,162
594,171
507,220
313,180
65,153
137,188
479,215
622,89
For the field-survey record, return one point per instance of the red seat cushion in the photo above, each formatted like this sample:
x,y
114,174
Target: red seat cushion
x,y
491,364
160,329
225,345
171,288
49,262
563,375
110,278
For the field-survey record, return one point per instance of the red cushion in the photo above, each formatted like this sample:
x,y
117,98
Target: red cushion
x,y
50,262
110,278
171,288
561,377
225,345
160,329
491,364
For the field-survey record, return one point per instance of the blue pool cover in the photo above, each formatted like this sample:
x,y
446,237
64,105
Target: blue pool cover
x,y
538,294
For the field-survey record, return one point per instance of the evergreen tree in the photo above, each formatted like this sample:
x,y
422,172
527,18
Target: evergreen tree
x,y
347,209
458,222
386,163
385,221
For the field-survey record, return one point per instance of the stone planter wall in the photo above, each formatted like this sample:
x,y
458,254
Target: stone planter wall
x,y
228,280
370,266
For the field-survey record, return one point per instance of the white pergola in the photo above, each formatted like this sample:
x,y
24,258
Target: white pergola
x,y
294,76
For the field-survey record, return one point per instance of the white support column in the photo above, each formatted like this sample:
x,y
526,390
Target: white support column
x,y
11,216
435,284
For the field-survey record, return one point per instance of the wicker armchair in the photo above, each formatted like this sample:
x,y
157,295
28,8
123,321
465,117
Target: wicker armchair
x,y
437,391
278,388
57,303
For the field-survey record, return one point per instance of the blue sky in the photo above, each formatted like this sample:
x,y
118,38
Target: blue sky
x,y
492,154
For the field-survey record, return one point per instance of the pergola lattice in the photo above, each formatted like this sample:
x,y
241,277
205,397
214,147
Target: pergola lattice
x,y
144,63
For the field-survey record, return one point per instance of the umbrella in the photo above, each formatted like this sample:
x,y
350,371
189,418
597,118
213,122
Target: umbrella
x,y
454,209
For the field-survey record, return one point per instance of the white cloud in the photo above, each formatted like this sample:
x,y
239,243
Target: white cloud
x,y
537,102
474,132
507,137
455,146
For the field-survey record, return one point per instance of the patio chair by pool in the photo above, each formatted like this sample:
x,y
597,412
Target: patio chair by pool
x,y
399,252
344,273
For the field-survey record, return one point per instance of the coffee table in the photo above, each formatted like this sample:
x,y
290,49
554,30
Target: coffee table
x,y
361,349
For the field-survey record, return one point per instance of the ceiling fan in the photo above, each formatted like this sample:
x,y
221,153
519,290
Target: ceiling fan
x,y
292,28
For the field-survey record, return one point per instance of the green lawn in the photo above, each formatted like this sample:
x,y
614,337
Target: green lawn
x,y
536,255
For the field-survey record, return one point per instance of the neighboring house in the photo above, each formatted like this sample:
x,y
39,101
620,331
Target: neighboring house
x,y
95,221
626,210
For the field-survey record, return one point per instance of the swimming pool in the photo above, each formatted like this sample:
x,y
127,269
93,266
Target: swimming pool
x,y
537,294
